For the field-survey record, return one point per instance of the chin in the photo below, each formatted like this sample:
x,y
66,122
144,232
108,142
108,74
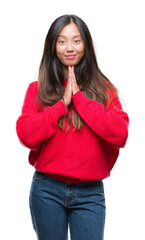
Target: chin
x,y
71,63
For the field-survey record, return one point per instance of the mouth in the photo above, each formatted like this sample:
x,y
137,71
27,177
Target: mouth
x,y
71,56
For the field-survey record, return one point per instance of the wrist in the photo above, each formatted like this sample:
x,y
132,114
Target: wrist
x,y
63,102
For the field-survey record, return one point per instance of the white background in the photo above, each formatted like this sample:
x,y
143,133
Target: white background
x,y
117,28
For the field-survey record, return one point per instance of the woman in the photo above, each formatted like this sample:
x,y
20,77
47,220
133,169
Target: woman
x,y
73,122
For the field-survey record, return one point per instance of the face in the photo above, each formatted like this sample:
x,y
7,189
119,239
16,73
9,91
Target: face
x,y
70,46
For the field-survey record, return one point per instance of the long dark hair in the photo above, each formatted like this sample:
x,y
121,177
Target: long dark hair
x,y
93,83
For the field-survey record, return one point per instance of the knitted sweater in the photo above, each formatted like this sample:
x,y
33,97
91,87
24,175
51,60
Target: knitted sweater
x,y
76,155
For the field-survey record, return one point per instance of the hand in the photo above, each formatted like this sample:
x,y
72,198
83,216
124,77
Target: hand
x,y
72,77
67,93
71,87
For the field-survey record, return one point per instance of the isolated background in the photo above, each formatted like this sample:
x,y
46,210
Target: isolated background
x,y
117,27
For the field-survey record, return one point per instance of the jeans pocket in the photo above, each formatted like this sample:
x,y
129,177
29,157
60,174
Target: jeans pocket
x,y
38,176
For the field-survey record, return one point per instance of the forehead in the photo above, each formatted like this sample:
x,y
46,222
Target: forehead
x,y
70,30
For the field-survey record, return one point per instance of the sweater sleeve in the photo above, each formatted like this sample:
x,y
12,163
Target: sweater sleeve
x,y
110,124
32,126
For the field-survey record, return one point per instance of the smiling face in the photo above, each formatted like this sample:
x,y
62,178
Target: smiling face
x,y
70,46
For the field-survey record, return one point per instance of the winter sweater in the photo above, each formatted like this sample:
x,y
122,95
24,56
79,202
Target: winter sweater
x,y
77,155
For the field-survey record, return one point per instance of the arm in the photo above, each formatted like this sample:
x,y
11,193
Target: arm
x,y
33,127
111,125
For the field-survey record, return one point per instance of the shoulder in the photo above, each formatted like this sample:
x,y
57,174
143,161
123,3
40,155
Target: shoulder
x,y
112,93
32,90
33,87
111,90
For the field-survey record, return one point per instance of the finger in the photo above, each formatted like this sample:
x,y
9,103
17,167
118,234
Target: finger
x,y
69,73
73,75
70,77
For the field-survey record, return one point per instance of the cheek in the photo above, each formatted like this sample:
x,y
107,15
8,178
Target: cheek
x,y
81,50
59,51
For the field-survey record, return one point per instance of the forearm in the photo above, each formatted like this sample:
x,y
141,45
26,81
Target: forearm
x,y
110,125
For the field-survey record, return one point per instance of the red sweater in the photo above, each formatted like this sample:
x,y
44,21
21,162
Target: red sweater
x,y
73,156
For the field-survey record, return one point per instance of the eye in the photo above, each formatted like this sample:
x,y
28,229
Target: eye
x,y
61,42
77,41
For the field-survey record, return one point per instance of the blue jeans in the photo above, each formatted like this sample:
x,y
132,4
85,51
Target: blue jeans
x,y
55,204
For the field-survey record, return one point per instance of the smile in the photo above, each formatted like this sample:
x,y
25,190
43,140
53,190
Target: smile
x,y
70,56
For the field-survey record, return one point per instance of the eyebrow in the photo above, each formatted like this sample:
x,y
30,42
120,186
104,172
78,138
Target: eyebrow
x,y
73,36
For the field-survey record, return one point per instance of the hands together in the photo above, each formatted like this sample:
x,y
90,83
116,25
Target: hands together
x,y
71,87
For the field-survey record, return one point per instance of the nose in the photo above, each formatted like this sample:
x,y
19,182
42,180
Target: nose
x,y
69,47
